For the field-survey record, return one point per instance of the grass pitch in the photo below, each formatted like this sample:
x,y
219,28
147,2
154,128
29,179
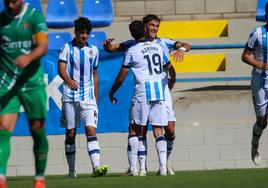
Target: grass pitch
x,y
244,178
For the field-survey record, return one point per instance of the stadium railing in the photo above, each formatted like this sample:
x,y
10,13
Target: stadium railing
x,y
215,79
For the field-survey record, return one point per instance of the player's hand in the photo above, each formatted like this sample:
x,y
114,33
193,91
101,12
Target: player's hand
x,y
22,61
264,66
113,99
178,55
107,43
72,84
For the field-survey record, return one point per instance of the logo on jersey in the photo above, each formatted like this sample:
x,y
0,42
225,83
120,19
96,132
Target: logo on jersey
x,y
146,44
7,44
25,26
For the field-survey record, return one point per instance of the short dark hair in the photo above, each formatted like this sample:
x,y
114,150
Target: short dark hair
x,y
136,29
82,23
146,19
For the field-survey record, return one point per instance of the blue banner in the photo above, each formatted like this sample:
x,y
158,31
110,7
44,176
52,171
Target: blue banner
x,y
112,117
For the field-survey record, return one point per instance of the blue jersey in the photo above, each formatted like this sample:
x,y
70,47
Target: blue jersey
x,y
80,64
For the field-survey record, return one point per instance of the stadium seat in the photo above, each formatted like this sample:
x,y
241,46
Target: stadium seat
x,y
96,38
35,3
261,10
61,13
2,5
57,39
100,12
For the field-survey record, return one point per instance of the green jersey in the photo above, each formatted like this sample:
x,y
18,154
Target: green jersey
x,y
16,39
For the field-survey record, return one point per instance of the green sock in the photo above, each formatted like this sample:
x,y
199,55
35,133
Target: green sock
x,y
5,136
40,151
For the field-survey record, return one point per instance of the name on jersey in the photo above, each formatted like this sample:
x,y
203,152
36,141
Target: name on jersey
x,y
149,48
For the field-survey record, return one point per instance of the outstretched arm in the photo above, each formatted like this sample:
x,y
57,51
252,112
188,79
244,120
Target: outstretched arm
x,y
118,82
180,48
108,46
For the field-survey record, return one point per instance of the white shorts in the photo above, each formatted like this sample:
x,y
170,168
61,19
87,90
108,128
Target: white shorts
x,y
153,113
259,97
170,110
73,112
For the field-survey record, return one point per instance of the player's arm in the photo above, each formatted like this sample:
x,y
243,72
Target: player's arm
x,y
118,82
108,46
248,59
63,74
172,76
181,48
96,83
40,48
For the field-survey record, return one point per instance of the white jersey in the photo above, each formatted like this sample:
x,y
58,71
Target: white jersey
x,y
147,60
258,43
80,65
167,46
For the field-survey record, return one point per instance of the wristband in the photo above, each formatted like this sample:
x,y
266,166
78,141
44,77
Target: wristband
x,y
182,49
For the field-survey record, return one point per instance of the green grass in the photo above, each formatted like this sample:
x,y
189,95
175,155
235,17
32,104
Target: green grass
x,y
241,178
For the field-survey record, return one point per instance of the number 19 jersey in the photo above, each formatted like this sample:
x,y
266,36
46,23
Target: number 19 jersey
x,y
146,60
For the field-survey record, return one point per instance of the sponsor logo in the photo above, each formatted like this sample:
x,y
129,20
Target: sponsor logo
x,y
7,44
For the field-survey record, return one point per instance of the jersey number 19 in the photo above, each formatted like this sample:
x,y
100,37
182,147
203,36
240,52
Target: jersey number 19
x,y
154,63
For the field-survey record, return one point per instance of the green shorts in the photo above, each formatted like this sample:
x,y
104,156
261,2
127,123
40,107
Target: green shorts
x,y
33,101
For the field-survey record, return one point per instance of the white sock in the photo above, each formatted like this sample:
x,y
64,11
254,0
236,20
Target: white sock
x,y
134,145
142,153
256,135
161,147
93,151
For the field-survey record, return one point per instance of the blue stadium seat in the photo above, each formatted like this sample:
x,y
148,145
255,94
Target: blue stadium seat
x,y
100,12
96,38
2,5
57,39
61,13
261,10
35,3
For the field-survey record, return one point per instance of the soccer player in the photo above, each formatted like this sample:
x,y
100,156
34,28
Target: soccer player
x,y
147,60
255,54
78,62
23,40
152,23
